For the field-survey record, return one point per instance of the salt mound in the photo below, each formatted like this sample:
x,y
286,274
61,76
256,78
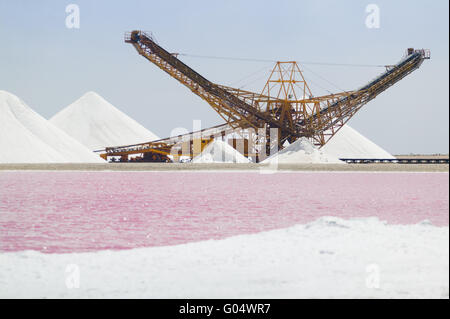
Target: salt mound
x,y
26,137
96,123
301,151
220,152
348,143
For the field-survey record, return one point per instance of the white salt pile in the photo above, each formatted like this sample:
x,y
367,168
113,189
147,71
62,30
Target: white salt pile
x,y
301,151
220,152
348,143
26,137
96,123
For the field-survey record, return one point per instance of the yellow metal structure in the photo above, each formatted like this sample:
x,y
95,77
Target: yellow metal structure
x,y
286,102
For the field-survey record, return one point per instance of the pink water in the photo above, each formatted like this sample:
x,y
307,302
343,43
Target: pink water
x,y
87,211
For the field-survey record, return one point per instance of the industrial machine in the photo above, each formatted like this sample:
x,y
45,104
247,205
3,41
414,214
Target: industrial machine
x,y
284,111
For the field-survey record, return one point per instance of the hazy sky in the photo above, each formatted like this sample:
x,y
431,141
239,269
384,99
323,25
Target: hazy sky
x,y
49,65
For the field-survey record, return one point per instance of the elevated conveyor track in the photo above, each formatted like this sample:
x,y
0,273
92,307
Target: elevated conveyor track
x,y
350,104
280,106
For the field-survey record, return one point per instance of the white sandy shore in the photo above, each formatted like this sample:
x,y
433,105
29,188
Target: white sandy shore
x,y
331,257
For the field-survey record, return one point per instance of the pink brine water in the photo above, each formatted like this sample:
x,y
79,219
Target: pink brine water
x,y
87,211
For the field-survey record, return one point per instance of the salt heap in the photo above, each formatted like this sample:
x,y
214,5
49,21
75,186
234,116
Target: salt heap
x,y
301,151
96,123
348,143
220,152
26,137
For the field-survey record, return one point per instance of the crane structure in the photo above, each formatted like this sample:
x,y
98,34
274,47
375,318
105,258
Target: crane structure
x,y
285,106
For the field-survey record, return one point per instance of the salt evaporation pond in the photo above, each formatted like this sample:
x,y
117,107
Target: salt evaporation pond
x,y
59,212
